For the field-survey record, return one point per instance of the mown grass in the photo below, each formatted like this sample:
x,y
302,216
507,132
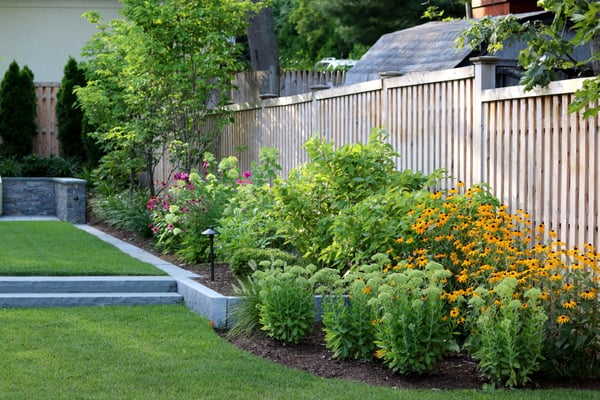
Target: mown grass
x,y
55,248
166,352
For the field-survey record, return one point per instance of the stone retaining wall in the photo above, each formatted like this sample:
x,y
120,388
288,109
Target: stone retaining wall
x,y
60,197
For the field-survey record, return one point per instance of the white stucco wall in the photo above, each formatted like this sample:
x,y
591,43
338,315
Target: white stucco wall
x,y
42,34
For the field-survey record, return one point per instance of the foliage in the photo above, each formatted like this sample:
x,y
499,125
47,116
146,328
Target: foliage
x,y
68,113
248,218
18,102
333,183
245,314
287,308
348,323
548,50
475,238
240,261
38,166
193,203
508,336
156,78
570,293
124,210
309,30
412,333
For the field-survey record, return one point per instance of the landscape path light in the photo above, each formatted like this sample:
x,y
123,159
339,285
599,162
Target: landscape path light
x,y
211,232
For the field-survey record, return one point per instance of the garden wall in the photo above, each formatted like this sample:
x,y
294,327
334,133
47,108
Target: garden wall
x,y
60,197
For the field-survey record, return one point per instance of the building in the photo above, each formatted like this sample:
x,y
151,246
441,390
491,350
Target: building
x,y
42,34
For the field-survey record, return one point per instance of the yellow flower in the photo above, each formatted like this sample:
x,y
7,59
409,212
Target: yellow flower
x,y
556,277
461,320
454,312
367,290
588,294
562,319
568,286
570,304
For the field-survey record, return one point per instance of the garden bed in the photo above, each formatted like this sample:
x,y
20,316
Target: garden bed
x,y
311,355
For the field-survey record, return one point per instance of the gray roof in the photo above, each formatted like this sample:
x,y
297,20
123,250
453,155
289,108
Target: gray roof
x,y
427,47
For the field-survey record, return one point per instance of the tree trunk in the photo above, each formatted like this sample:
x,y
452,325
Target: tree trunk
x,y
264,53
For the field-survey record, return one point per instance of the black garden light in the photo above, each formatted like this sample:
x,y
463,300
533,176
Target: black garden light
x,y
211,232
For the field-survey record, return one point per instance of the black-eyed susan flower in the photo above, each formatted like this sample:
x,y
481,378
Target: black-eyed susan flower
x,y
588,294
570,304
562,319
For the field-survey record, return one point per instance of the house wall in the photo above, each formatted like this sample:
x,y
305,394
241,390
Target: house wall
x,y
482,8
42,34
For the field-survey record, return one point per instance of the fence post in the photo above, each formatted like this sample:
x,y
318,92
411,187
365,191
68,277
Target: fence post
x,y
485,78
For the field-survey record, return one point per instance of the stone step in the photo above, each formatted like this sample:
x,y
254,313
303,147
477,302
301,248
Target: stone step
x,y
87,284
87,299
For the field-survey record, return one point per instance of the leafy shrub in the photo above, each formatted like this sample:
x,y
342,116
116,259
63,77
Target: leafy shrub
x,y
348,324
334,181
10,166
18,102
570,297
412,333
287,309
248,218
38,166
508,337
475,238
193,203
124,210
242,260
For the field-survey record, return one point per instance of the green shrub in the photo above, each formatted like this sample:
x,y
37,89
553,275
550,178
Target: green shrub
x,y
508,337
248,218
287,309
18,103
34,165
124,210
10,166
69,115
241,261
412,332
348,324
335,180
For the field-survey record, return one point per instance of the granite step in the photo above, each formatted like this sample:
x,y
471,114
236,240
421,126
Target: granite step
x,y
87,291
87,284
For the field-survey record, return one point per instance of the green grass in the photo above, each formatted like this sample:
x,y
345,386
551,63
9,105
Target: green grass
x,y
54,248
166,352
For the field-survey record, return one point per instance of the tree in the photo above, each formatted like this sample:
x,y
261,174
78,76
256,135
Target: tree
x,y
157,78
18,102
69,115
308,30
548,50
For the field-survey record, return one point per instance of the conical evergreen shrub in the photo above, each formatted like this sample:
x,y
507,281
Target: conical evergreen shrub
x,y
18,102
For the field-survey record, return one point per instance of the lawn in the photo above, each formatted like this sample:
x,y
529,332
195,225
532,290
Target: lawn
x,y
60,249
166,352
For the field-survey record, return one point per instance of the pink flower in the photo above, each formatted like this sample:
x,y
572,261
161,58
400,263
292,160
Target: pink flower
x,y
246,174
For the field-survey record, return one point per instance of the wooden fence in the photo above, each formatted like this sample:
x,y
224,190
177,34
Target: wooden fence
x,y
533,153
250,85
46,141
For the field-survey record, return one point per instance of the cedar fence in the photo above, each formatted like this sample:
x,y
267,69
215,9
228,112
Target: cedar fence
x,y
534,154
